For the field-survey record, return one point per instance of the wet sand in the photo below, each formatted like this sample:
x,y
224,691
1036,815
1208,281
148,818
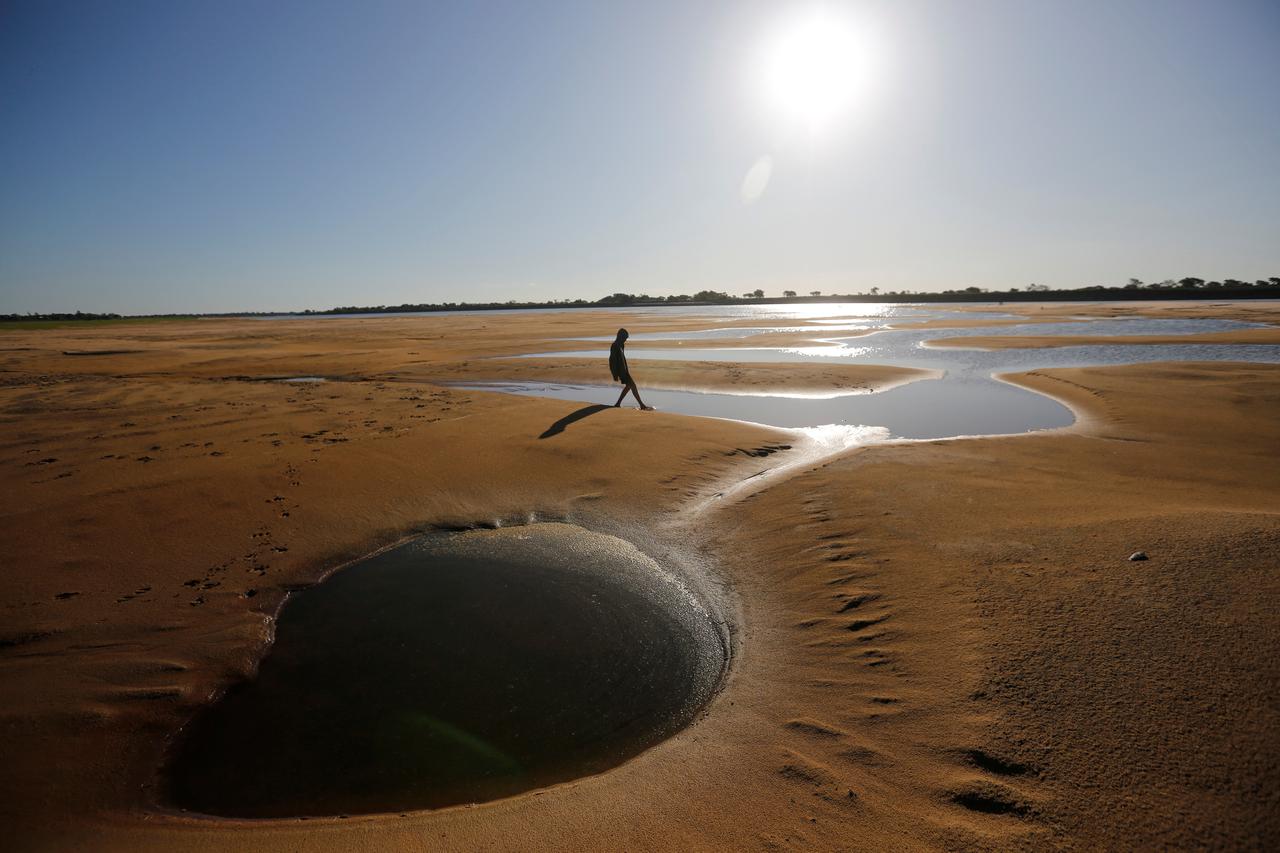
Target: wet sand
x,y
937,644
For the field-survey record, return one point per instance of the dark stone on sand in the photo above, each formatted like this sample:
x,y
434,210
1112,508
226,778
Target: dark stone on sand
x,y
1138,555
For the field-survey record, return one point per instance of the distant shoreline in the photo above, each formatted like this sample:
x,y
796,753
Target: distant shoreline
x,y
621,300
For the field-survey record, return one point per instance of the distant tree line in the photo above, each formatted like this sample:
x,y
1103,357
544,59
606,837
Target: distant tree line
x,y
1183,288
78,315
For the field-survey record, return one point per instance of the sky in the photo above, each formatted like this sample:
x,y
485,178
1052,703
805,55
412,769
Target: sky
x,y
180,156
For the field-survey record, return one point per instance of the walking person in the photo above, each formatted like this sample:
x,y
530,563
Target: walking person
x,y
618,367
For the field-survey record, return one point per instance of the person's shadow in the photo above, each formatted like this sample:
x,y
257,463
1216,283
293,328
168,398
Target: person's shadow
x,y
573,417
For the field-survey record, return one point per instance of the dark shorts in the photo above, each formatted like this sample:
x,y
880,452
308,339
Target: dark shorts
x,y
625,379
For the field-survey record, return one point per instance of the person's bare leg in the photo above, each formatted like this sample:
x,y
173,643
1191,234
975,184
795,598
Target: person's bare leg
x,y
636,392
625,389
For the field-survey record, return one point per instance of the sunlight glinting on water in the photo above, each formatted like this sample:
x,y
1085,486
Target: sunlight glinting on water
x,y
967,399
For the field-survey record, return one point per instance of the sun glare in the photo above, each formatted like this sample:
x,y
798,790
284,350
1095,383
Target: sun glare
x,y
815,68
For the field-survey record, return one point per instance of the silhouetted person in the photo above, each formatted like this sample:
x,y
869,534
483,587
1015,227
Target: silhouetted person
x,y
618,367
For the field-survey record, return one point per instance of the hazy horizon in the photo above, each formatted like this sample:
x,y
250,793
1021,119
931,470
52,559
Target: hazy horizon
x,y
167,158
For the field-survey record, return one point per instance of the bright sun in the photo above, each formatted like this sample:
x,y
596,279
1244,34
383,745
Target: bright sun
x,y
815,68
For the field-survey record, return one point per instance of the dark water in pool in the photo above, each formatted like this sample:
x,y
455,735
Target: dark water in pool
x,y
455,668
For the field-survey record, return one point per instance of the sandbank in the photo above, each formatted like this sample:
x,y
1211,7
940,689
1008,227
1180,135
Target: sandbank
x,y
710,376
938,644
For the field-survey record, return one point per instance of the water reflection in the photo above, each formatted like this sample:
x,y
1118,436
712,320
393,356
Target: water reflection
x,y
926,409
968,400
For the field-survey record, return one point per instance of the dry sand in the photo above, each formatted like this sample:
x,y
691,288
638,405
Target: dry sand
x,y
938,644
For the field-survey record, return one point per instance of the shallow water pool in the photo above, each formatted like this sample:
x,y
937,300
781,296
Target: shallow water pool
x,y
967,400
456,668
920,410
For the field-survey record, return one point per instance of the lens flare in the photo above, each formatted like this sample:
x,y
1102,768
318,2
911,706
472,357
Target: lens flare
x,y
756,180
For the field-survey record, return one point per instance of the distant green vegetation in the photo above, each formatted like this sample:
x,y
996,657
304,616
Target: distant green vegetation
x,y
16,322
1134,289
1186,288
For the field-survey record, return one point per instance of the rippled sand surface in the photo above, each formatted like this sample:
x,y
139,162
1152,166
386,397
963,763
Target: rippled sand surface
x,y
938,644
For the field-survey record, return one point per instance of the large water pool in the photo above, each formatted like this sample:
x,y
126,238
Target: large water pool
x,y
456,668
967,399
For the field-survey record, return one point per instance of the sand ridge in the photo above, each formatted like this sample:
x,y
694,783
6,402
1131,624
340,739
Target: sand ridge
x,y
1269,336
703,376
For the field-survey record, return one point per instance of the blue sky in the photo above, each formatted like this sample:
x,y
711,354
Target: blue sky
x,y
183,156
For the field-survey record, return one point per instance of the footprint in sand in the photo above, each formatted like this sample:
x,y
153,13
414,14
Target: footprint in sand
x,y
853,602
142,590
986,798
996,765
